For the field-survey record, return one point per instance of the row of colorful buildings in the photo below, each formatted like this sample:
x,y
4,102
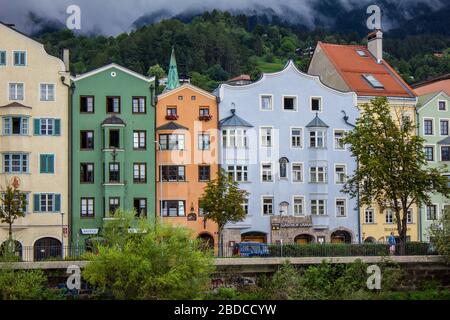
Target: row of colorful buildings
x,y
83,146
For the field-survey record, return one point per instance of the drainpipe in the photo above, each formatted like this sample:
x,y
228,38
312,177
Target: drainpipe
x,y
419,214
345,117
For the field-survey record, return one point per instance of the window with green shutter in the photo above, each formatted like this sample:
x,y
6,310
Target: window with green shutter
x,y
36,202
47,163
47,127
46,202
37,127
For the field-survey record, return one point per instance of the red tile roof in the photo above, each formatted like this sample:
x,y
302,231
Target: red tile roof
x,y
244,77
351,66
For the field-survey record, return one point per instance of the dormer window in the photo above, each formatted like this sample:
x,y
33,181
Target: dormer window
x,y
373,81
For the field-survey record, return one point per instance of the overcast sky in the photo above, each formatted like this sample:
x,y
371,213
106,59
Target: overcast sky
x,y
111,17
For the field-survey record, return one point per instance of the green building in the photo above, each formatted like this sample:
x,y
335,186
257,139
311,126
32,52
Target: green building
x,y
112,151
433,125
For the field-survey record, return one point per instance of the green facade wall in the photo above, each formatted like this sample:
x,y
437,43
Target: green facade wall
x,y
427,108
111,81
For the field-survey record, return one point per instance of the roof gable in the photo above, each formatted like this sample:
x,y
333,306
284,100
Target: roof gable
x,y
187,86
171,126
110,66
234,121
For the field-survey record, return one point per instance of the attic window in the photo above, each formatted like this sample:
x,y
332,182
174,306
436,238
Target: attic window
x,y
373,81
361,53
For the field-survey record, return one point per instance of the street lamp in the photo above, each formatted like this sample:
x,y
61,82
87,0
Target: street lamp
x,y
62,234
160,183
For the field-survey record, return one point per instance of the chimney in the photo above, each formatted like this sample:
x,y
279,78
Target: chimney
x,y
66,59
375,44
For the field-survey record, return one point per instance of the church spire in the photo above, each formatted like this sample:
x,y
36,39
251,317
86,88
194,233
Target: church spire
x,y
172,79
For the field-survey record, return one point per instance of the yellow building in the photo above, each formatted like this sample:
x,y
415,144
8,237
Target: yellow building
x,y
34,142
362,70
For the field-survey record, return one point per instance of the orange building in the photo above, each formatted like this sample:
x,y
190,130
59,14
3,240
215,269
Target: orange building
x,y
187,155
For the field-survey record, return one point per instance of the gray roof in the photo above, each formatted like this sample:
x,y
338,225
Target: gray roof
x,y
171,126
445,141
317,123
234,121
113,120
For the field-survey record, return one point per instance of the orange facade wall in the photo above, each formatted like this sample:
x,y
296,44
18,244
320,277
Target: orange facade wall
x,y
188,100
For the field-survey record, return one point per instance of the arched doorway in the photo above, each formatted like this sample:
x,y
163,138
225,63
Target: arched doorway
x,y
254,236
304,238
46,248
370,240
341,236
13,248
206,240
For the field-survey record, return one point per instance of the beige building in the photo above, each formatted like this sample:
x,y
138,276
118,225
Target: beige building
x,y
34,142
363,70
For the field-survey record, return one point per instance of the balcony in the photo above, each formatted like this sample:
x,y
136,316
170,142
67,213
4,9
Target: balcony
x,y
206,117
171,117
320,221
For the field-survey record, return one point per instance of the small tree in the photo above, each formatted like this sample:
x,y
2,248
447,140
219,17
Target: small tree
x,y
12,206
222,202
440,235
392,169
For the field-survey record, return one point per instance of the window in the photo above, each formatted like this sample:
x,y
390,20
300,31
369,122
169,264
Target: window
x,y
266,102
266,172
2,58
238,173
444,127
139,172
429,153
431,212
298,206
87,104
47,163
87,207
245,206
114,138
442,105
204,173
87,140
171,141
340,174
316,139
318,174
338,136
86,173
448,180
47,92
318,207
139,140
341,208
173,173
16,91
409,216
15,126
266,136
296,138
171,111
180,97
203,112
114,204
428,127
361,53
47,127
369,216
297,172
203,141
267,206
15,163
20,58
112,104
445,153
373,81
290,103
27,197
140,206
316,104
234,138
47,202
389,216
193,98
283,168
173,208
139,104
114,172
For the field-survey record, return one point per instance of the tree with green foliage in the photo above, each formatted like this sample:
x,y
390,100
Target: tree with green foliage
x,y
392,169
140,260
13,203
440,235
222,202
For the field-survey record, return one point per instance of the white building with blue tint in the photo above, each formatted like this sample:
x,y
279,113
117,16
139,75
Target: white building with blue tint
x,y
281,139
